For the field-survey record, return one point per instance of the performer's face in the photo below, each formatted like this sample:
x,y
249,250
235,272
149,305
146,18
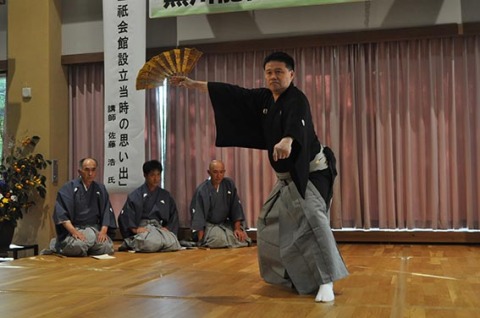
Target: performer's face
x,y
153,179
88,171
278,77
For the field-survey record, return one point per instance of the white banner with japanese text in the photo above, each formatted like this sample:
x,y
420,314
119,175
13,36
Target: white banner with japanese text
x,y
124,30
171,8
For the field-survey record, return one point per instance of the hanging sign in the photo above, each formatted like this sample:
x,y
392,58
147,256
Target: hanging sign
x,y
124,24
172,8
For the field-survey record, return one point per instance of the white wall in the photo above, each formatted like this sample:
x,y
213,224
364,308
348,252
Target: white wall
x,y
82,30
345,17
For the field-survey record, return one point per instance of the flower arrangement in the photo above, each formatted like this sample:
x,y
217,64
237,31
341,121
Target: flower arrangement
x,y
21,178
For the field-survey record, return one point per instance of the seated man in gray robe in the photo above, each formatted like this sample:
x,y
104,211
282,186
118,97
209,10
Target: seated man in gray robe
x,y
217,214
149,219
83,215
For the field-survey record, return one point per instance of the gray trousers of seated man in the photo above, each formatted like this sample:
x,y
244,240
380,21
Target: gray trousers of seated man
x,y
221,235
75,247
157,239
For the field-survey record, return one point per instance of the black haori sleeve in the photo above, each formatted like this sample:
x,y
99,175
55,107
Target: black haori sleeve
x,y
238,115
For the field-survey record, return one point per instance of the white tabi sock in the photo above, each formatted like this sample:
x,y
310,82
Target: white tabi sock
x,y
325,293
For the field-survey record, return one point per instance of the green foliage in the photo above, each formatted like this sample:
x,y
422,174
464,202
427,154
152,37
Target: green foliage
x,y
21,178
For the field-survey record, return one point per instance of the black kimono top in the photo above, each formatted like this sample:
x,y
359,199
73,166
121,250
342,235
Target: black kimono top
x,y
251,118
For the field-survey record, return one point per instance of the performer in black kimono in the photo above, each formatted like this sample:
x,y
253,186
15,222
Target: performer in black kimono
x,y
149,219
296,246
217,214
83,215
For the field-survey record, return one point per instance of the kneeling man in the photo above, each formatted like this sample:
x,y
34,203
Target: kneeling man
x,y
217,214
83,215
149,219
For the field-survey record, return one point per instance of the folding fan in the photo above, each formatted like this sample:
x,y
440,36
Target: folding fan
x,y
166,64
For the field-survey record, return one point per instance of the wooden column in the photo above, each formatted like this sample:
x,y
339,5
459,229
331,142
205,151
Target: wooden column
x,y
34,51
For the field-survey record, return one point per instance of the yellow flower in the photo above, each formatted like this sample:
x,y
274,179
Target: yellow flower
x,y
20,178
26,141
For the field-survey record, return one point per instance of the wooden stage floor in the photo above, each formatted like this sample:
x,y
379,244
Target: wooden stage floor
x,y
385,280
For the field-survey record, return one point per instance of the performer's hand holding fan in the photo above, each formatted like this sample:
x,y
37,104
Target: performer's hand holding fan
x,y
176,62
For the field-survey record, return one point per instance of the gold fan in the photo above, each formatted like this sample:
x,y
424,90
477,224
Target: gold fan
x,y
165,64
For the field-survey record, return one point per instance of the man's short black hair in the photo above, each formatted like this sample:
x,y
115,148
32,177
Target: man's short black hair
x,y
280,57
152,165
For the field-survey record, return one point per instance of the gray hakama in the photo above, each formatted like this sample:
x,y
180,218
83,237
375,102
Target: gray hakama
x,y
157,239
296,246
157,212
71,246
